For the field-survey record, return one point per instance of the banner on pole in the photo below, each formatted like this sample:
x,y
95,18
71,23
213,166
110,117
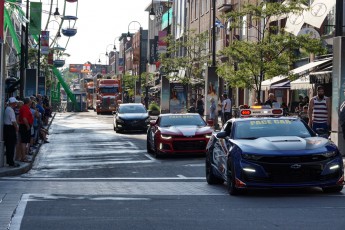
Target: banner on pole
x,y
2,5
35,18
45,42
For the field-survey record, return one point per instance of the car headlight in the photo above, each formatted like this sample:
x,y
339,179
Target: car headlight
x,y
329,154
119,120
251,157
208,135
164,136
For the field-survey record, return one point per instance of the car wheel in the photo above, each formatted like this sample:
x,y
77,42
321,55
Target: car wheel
x,y
211,178
148,145
156,152
333,189
231,183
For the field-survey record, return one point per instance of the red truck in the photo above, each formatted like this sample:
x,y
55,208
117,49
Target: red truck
x,y
108,94
90,94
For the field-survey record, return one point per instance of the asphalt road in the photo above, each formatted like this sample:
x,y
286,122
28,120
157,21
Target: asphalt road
x,y
89,177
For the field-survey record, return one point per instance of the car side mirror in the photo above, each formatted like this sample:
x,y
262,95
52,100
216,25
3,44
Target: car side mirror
x,y
222,134
210,122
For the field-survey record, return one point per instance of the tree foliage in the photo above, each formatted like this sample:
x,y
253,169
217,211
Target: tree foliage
x,y
269,52
189,54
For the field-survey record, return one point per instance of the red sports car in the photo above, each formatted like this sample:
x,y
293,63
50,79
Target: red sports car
x,y
178,133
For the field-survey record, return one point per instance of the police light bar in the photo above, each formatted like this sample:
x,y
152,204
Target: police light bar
x,y
259,111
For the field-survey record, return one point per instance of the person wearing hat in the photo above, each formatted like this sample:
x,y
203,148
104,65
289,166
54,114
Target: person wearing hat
x,y
10,131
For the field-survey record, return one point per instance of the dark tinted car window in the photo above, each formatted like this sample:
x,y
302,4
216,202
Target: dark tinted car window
x,y
177,120
250,129
132,109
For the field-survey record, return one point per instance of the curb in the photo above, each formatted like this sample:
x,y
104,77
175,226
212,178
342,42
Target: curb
x,y
24,167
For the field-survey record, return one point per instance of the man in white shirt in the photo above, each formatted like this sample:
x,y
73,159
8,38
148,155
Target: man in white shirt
x,y
226,108
10,131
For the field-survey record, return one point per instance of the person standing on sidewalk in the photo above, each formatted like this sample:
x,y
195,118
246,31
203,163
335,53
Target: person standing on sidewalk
x,y
10,131
320,111
25,122
226,108
342,118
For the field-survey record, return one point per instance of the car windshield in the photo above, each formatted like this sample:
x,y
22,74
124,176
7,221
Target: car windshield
x,y
252,129
132,109
180,120
108,89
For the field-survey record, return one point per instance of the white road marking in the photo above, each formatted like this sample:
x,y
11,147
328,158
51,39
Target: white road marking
x,y
17,218
179,177
196,165
19,213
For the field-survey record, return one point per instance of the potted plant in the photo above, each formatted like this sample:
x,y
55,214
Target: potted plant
x,y
154,109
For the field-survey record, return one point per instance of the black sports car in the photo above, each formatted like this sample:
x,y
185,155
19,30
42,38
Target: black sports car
x,y
132,116
272,152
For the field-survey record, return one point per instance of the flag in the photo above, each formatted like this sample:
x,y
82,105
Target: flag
x,y
318,12
219,24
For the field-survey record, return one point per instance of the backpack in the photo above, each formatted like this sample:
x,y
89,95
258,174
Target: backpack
x,y
342,114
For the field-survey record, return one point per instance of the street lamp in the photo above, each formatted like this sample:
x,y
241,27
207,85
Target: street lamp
x,y
139,71
152,14
115,53
56,13
99,57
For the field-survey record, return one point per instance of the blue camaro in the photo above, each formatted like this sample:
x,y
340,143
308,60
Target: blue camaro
x,y
272,152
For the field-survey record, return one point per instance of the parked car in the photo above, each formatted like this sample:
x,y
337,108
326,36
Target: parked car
x,y
131,116
272,152
178,133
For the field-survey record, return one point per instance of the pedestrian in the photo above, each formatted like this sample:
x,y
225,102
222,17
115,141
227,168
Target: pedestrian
x,y
226,108
270,100
320,111
213,112
342,118
10,131
34,127
18,146
25,121
200,105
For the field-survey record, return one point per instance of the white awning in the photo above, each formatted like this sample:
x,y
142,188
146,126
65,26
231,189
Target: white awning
x,y
266,85
301,83
302,70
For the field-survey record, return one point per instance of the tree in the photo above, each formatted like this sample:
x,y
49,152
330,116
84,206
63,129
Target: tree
x,y
189,54
269,51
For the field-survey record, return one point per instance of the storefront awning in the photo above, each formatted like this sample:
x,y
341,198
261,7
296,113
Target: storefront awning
x,y
299,71
301,83
321,77
266,85
281,85
305,69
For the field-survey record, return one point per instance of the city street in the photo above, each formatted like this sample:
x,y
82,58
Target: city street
x,y
90,177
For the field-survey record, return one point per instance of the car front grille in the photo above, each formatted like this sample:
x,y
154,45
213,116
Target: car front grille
x,y
189,145
290,159
286,173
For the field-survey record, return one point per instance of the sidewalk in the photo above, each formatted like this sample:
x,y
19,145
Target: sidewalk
x,y
24,166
